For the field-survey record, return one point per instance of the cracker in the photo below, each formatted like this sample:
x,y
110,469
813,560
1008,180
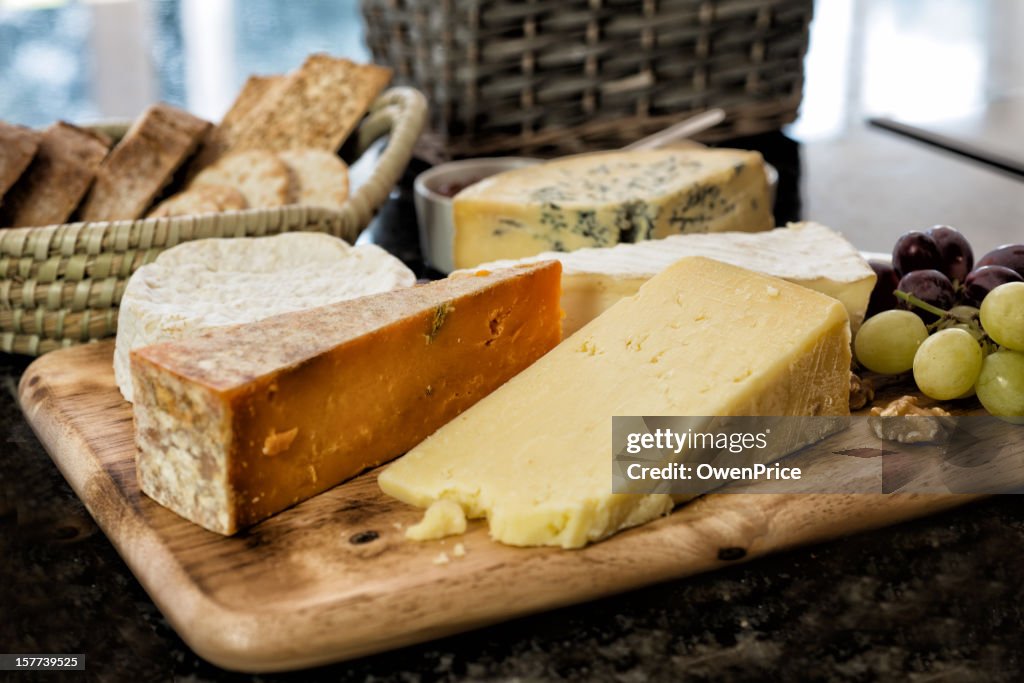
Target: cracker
x,y
60,174
143,163
254,91
17,147
218,140
200,199
319,178
261,177
317,107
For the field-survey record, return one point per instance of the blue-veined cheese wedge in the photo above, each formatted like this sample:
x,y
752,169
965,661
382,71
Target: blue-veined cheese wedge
x,y
598,200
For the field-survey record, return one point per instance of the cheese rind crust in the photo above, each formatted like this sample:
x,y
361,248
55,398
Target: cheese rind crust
x,y
700,339
243,422
598,200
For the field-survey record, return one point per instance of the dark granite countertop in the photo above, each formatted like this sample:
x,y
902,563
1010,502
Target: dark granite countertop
x,y
939,599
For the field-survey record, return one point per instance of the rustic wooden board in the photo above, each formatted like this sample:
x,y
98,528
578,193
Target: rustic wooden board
x,y
297,591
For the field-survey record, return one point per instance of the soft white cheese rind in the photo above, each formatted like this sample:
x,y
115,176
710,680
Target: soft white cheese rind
x,y
203,284
808,254
701,338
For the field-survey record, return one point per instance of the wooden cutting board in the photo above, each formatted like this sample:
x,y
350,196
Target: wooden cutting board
x,y
333,578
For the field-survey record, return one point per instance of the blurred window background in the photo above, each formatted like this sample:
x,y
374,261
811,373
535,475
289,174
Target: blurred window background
x,y
920,60
104,59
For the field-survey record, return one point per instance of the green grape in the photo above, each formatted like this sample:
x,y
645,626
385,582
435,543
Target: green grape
x,y
1000,385
959,316
972,330
1002,315
963,312
886,343
947,364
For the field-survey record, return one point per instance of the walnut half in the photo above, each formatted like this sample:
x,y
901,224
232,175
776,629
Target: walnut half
x,y
861,391
903,420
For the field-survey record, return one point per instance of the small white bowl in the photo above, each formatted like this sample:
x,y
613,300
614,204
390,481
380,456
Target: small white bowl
x,y
434,209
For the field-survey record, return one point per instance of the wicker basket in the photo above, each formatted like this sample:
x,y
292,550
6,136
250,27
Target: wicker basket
x,y
545,77
61,284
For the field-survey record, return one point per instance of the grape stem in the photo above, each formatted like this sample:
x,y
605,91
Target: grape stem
x,y
935,310
925,306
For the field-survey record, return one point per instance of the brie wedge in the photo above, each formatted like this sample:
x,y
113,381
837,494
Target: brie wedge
x,y
807,254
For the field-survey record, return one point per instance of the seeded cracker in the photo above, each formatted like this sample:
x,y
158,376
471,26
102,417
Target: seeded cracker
x,y
199,200
260,176
318,106
257,89
318,178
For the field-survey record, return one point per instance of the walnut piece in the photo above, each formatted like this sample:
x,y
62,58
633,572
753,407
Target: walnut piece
x,y
903,420
861,392
907,405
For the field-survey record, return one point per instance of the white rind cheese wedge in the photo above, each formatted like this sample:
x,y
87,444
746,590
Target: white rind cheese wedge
x,y
808,254
203,284
602,199
702,338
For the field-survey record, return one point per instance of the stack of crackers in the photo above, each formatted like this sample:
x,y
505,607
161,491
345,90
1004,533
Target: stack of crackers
x,y
277,145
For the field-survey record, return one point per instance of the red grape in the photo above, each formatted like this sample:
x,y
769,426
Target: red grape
x,y
882,296
984,279
954,250
1009,256
932,287
915,250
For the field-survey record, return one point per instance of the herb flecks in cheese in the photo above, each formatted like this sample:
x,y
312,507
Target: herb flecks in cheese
x,y
599,200
440,315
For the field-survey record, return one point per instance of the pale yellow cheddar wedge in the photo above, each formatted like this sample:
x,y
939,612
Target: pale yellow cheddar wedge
x,y
701,338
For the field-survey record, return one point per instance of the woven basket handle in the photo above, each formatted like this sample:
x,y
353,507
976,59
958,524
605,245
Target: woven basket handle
x,y
401,114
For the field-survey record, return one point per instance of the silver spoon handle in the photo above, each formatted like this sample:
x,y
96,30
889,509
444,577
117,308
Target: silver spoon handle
x,y
679,131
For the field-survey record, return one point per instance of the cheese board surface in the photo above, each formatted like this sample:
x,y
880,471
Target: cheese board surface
x,y
333,578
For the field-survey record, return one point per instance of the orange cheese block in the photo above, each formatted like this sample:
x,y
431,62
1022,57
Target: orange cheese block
x,y
242,422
